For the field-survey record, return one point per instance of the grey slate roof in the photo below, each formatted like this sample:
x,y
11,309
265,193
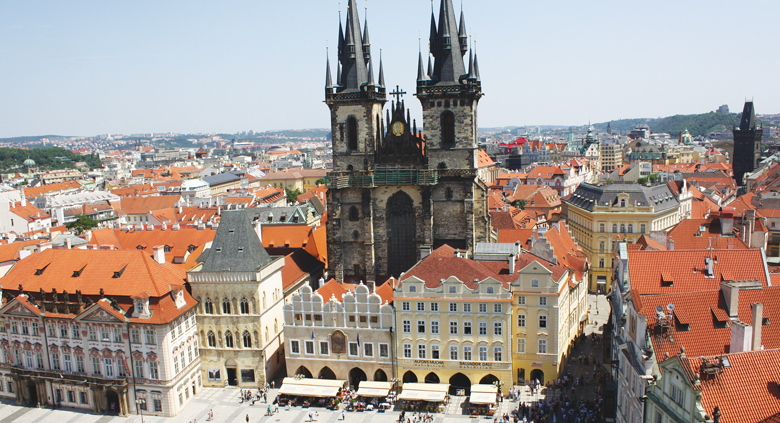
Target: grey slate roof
x,y
236,246
658,196
220,179
277,213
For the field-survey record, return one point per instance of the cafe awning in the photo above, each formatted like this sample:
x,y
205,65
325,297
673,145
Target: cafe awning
x,y
430,392
374,389
319,388
483,394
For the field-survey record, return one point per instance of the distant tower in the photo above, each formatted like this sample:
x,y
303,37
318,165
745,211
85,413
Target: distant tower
x,y
747,144
29,164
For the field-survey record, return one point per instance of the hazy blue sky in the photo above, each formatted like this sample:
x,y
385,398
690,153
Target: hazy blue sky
x,y
85,68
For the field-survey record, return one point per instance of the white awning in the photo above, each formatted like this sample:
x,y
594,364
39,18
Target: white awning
x,y
320,388
374,389
431,392
483,394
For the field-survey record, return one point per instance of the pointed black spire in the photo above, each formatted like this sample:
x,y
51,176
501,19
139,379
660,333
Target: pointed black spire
x,y
432,36
328,80
430,66
341,37
421,75
366,42
463,38
748,122
381,71
476,68
448,64
354,63
471,65
370,72
338,74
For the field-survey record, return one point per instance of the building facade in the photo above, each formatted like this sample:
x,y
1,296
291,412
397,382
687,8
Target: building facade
x,y
392,195
240,291
111,332
333,333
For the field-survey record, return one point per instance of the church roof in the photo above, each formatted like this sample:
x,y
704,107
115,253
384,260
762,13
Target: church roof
x,y
236,246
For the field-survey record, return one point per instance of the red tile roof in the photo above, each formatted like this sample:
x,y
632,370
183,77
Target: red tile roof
x,y
687,236
143,205
331,289
27,211
180,242
34,192
298,265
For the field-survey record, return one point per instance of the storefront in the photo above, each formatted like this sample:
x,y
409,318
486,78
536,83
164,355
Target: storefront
x,y
311,392
427,397
482,400
375,395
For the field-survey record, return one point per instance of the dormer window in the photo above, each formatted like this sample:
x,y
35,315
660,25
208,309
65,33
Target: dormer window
x,y
623,202
141,307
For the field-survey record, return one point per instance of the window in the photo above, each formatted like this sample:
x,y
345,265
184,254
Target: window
x,y
447,128
467,328
79,364
208,307
677,395
498,328
39,359
434,327
542,321
453,352
384,350
175,365
614,227
211,339
26,329
225,306
490,290
498,308
353,214
623,202
521,345
68,363
453,328
534,283
228,340
92,333
405,306
630,228
71,396
601,227
482,308
542,346
247,339
521,320
154,370
104,334
109,364
421,350
135,336
354,349
244,306
434,306
452,289
35,330
309,345
643,228
453,307
483,354
406,326
483,328
420,306
542,301
352,133
368,350
434,352
407,350
602,246
157,405
83,398
117,335
29,357
421,326
467,307
622,227
324,348
521,300
55,361
149,336
498,353
96,365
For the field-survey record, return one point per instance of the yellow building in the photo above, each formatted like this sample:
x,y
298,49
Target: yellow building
x,y
597,215
292,179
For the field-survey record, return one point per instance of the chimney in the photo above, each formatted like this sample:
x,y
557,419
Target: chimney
x,y
741,336
517,247
669,244
259,229
68,243
727,221
534,235
511,264
175,226
149,227
457,252
159,254
24,254
24,201
757,320
731,295
709,270
44,246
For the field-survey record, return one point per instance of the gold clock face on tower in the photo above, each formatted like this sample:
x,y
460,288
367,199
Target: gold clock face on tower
x,y
398,129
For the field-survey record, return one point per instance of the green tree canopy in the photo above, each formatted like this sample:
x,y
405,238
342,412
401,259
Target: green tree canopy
x,y
81,224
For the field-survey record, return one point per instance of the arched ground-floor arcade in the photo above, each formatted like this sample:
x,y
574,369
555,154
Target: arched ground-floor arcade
x,y
460,379
353,371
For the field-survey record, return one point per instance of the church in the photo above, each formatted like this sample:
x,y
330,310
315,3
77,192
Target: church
x,y
397,192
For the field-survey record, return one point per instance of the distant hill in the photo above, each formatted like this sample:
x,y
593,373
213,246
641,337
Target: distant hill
x,y
20,140
45,158
701,124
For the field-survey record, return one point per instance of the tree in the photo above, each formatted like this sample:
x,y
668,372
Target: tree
x,y
319,181
81,224
292,195
642,181
652,177
520,204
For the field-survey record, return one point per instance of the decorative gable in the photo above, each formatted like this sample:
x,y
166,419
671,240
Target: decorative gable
x,y
177,292
141,308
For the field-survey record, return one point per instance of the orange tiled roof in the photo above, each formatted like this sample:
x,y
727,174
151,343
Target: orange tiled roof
x,y
331,289
10,252
298,265
687,236
135,190
317,244
288,236
182,243
483,160
512,235
143,205
50,188
28,211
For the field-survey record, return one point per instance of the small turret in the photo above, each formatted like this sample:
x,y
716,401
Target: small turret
x,y
366,42
381,71
328,80
421,75
464,39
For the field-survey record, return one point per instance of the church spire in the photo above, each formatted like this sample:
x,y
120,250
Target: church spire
x,y
328,80
353,52
381,71
462,37
421,75
448,65
366,42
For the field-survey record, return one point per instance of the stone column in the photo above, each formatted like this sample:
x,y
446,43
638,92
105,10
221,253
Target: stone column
x,y
123,409
18,387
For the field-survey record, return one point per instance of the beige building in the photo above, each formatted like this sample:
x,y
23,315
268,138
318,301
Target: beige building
x,y
598,215
300,179
240,290
336,333
453,321
611,155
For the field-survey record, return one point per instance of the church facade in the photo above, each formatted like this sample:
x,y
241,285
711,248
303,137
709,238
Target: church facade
x,y
395,193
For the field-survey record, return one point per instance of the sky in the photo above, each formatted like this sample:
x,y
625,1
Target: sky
x,y
124,67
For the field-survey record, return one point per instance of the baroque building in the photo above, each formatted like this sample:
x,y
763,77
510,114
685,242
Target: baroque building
x,y
394,193
106,331
240,291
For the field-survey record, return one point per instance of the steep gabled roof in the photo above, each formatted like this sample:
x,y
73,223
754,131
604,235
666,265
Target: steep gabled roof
x,y
236,246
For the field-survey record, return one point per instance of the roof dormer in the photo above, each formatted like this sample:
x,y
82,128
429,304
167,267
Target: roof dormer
x,y
141,308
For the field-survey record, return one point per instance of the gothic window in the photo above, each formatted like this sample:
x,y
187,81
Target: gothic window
x,y
247,340
225,306
352,135
447,128
350,168
401,225
244,306
353,214
264,306
208,307
448,193
228,339
355,235
442,166
212,340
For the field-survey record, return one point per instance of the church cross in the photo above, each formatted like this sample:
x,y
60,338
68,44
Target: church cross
x,y
397,93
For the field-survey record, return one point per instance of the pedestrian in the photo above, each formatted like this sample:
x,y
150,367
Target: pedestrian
x,y
343,416
269,410
272,384
317,415
247,418
311,416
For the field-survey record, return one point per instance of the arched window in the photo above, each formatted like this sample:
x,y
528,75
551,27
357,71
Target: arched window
x,y
244,306
447,128
276,326
228,339
263,300
623,202
353,214
352,133
355,235
225,306
247,340
442,166
208,307
614,227
448,193
266,334
630,228
622,228
212,340
350,168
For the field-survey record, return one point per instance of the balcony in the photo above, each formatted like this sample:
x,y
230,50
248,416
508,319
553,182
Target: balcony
x,y
382,176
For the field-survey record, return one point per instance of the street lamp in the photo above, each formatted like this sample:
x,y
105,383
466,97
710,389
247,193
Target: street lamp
x,y
141,403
